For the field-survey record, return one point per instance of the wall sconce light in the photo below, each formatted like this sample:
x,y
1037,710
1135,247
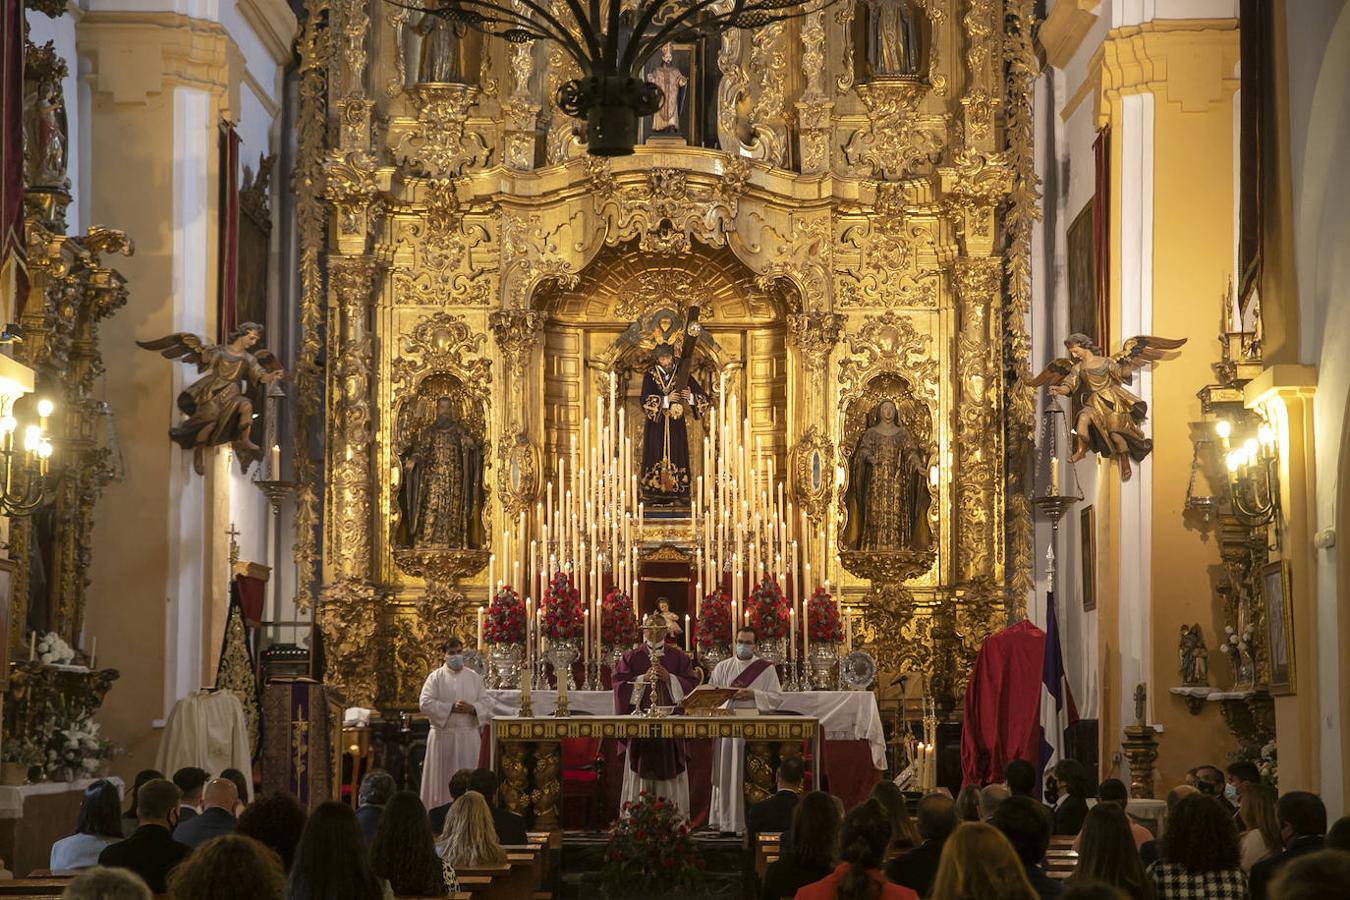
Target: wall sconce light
x,y
25,448
1253,475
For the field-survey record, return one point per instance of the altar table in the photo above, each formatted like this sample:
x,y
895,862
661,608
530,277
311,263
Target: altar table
x,y
537,788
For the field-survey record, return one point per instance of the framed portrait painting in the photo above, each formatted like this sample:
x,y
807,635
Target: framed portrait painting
x,y
1277,595
1087,534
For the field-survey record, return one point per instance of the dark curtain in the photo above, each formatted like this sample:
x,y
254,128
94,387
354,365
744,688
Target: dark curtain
x,y
11,152
1101,235
227,240
1255,24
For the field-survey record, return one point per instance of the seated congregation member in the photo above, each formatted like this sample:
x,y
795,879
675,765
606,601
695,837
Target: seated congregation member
x,y
1020,777
241,786
1150,851
190,781
219,800
904,836
1261,840
1313,876
1210,781
978,863
1199,854
404,850
230,867
1112,790
991,795
936,820
129,819
1302,818
98,825
1027,826
331,861
151,852
376,789
276,821
1107,852
1071,807
813,855
99,883
470,839
1093,890
968,804
862,848
1338,835
459,783
774,814
510,827
1240,774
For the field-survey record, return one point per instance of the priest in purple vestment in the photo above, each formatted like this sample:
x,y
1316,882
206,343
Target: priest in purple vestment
x,y
660,673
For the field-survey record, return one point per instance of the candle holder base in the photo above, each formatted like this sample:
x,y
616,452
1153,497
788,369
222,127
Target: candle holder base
x,y
526,710
562,710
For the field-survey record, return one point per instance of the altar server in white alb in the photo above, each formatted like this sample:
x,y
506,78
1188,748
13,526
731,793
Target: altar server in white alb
x,y
455,702
757,680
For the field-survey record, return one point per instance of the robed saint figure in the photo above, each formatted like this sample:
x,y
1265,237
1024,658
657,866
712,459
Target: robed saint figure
x,y
665,438
654,673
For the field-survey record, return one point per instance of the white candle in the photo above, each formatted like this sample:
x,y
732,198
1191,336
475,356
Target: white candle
x,y
93,651
32,646
480,629
1054,476
686,632
276,462
792,633
586,634
492,573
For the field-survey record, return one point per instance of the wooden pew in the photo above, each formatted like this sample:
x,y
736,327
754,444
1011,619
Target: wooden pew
x,y
768,844
540,860
33,887
513,881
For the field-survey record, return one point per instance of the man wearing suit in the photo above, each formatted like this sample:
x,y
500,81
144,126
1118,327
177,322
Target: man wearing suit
x,y
917,868
376,789
219,799
190,780
459,783
151,852
510,827
1303,828
773,814
1027,825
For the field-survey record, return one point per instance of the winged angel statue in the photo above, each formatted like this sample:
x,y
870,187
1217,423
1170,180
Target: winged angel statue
x,y
218,411
1107,419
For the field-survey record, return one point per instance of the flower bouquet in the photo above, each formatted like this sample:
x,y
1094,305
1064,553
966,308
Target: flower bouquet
x,y
651,853
714,621
505,618
618,623
768,610
561,610
822,616
50,649
76,751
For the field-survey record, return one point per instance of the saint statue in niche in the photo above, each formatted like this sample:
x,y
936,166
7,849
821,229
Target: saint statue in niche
x,y
438,62
672,82
892,38
44,131
888,494
440,497
668,393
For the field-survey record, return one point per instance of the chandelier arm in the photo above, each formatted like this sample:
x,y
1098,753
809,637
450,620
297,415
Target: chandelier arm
x,y
612,30
554,32
639,49
587,29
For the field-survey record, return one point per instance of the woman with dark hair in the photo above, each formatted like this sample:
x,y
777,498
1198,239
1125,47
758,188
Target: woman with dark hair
x,y
404,849
229,867
129,818
1071,808
904,836
814,849
968,803
330,861
1200,856
1107,853
242,785
275,820
98,826
862,848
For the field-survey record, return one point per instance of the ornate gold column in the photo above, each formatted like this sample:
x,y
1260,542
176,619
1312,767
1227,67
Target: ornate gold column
x,y
517,332
814,335
815,112
978,283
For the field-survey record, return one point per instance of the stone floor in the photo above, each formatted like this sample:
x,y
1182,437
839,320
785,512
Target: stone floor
x,y
583,855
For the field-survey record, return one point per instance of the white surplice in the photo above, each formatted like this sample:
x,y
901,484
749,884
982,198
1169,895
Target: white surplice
x,y
676,789
728,788
455,740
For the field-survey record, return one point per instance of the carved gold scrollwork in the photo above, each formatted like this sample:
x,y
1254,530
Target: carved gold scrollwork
x,y
443,342
978,282
517,473
813,466
980,101
348,616
351,187
436,143
898,142
888,343
666,209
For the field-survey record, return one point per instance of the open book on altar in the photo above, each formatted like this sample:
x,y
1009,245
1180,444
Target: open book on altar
x,y
705,700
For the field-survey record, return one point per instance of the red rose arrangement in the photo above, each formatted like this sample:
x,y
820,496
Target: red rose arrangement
x,y
823,615
768,610
505,622
651,852
618,623
562,619
714,621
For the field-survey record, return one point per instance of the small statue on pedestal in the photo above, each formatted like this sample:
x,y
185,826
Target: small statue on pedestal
x,y
1194,658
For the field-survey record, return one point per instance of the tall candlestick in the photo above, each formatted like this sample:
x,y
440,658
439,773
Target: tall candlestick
x,y
686,632
480,629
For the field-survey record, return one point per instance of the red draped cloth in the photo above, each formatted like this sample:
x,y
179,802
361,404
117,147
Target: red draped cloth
x,y
1003,702
251,597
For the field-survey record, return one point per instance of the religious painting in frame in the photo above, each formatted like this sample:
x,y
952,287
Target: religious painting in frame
x,y
1083,275
1087,534
1277,594
680,72
8,568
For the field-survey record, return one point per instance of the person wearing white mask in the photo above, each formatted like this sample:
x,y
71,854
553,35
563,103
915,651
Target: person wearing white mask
x,y
455,702
757,682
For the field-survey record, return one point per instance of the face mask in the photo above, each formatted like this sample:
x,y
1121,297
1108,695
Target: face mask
x,y
745,651
455,661
1230,793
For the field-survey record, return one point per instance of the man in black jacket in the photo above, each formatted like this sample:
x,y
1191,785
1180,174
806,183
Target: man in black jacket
x,y
510,827
190,781
216,818
773,814
376,789
1303,828
151,852
1027,826
459,783
916,869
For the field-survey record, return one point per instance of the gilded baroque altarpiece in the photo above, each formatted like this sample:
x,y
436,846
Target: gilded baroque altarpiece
x,y
849,238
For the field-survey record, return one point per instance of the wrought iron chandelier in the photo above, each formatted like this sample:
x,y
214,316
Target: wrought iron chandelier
x,y
23,472
610,42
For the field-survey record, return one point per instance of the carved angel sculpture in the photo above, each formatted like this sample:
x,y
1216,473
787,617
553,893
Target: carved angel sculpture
x,y
1107,419
218,410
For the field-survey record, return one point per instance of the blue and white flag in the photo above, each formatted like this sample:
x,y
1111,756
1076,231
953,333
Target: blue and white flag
x,y
1057,709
